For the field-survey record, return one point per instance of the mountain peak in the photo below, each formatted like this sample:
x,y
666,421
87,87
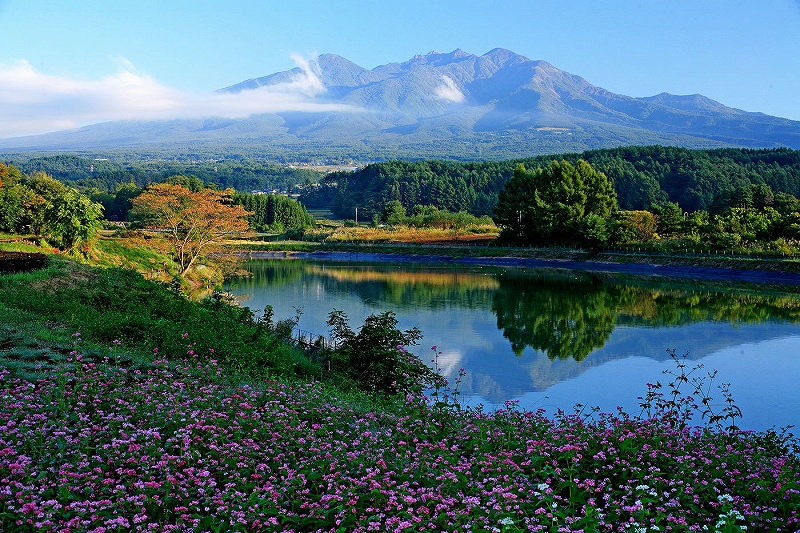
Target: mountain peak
x,y
687,102
435,57
504,56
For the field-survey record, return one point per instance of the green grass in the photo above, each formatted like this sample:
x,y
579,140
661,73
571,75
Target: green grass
x,y
10,244
110,252
116,307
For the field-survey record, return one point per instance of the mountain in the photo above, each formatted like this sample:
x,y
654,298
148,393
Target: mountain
x,y
441,105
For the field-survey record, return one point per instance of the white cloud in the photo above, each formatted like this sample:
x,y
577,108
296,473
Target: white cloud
x,y
32,102
450,362
448,91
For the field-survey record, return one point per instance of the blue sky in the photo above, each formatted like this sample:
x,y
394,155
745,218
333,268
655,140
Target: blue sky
x,y
68,63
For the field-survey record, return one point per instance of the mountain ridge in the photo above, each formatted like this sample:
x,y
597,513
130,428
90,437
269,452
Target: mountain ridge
x,y
447,105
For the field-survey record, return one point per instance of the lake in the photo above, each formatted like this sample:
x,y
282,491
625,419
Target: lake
x,y
551,338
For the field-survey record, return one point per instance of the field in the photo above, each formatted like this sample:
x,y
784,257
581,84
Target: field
x,y
176,447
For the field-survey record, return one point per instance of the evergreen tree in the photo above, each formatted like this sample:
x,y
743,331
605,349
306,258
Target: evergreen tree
x,y
548,205
272,212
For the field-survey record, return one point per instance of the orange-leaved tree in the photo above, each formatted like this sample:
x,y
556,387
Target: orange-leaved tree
x,y
195,224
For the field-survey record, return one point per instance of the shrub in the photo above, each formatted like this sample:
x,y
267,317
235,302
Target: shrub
x,y
375,358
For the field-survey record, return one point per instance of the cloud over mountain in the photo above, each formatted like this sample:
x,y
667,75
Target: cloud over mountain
x,y
448,91
34,102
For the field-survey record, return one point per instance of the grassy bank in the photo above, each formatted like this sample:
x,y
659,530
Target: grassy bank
x,y
41,310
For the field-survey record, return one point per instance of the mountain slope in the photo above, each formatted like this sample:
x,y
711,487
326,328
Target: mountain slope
x,y
446,105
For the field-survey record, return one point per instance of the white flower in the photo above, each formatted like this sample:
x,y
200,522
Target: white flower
x,y
543,486
507,521
725,498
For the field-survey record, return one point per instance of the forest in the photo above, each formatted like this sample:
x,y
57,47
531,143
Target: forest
x,y
90,174
642,176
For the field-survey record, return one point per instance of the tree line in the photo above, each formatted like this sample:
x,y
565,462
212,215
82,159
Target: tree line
x,y
642,177
576,205
101,175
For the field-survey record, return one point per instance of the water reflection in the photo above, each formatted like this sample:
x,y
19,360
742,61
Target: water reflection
x,y
573,314
564,314
525,334
563,317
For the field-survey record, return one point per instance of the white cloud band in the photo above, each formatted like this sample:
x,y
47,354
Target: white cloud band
x,y
32,102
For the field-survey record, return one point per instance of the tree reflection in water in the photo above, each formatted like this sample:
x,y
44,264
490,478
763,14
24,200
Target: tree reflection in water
x,y
571,314
561,317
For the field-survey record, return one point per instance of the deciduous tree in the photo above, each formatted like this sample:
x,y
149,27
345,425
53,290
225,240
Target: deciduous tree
x,y
194,224
62,214
9,174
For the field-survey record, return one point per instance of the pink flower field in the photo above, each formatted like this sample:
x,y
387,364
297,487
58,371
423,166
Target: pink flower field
x,y
176,448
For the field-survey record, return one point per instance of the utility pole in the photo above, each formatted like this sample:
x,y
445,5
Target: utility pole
x,y
356,216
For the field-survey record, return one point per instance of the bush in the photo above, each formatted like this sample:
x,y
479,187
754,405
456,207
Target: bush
x,y
375,358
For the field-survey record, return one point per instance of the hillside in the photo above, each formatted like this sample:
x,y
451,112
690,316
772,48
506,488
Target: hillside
x,y
441,105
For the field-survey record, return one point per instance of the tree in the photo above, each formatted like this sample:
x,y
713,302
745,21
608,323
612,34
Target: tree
x,y
669,218
548,205
62,214
633,226
376,358
9,174
194,224
123,201
16,207
394,213
272,212
594,231
46,207
786,204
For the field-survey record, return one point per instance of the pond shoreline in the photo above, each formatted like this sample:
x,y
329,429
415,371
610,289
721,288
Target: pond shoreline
x,y
634,269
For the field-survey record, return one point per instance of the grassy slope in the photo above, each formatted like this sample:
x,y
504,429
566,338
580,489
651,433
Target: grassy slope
x,y
40,311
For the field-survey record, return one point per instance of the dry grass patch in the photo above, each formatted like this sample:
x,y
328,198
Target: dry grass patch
x,y
405,234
